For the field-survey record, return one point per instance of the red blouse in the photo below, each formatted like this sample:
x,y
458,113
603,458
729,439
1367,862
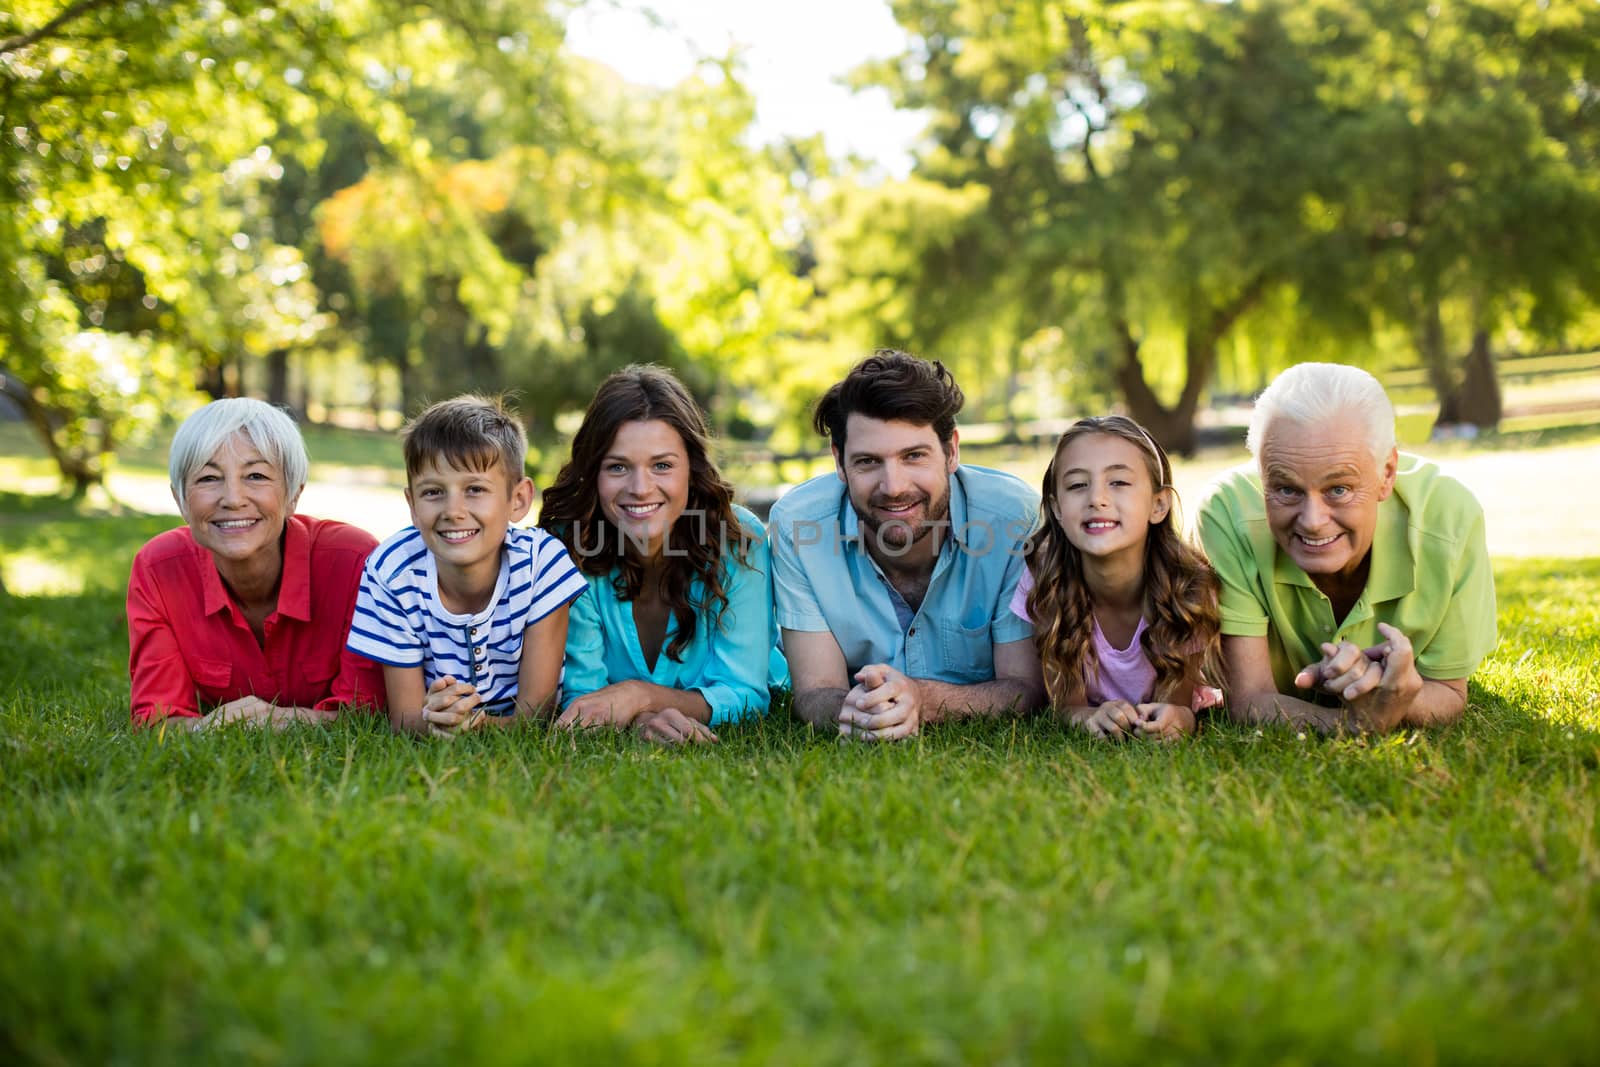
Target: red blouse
x,y
190,646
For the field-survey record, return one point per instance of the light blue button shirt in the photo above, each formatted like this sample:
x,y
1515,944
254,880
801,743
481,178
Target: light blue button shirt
x,y
731,666
824,579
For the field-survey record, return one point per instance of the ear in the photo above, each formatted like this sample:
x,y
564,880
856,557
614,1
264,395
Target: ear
x,y
293,502
1162,507
1390,466
838,463
176,499
521,499
953,460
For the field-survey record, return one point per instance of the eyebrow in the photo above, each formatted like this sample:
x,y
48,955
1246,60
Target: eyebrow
x,y
1338,474
248,463
624,459
1112,467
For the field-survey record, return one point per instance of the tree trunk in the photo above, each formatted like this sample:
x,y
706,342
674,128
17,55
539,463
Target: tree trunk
x,y
78,471
213,380
1478,401
278,377
1431,346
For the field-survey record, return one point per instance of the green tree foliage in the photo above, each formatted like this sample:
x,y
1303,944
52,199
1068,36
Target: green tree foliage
x,y
1145,177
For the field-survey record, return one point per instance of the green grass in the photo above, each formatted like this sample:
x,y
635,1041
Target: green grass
x,y
986,893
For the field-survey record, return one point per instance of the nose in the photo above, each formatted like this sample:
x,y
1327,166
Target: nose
x,y
1313,511
232,491
638,481
895,480
1099,494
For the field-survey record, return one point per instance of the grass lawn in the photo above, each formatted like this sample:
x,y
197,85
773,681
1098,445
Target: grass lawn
x,y
998,893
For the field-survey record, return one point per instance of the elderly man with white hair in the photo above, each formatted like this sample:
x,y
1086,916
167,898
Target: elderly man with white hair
x,y
1356,587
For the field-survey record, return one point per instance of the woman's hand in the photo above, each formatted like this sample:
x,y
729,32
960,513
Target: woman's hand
x,y
247,711
669,726
616,705
1164,722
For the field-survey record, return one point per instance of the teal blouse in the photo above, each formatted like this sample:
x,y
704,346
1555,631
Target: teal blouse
x,y
730,666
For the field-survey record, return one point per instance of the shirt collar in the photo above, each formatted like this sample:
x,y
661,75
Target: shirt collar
x,y
294,586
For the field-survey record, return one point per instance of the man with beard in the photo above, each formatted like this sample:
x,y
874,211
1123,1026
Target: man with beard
x,y
893,577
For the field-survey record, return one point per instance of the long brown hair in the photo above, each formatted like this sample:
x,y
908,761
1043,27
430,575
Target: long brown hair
x,y
1180,588
571,509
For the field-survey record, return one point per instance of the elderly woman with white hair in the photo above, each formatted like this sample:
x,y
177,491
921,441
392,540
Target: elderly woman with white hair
x,y
244,612
1356,587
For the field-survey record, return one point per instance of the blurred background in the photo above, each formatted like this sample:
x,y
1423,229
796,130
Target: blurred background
x,y
352,207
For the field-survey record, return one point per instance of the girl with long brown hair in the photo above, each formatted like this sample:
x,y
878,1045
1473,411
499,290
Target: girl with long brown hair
x,y
675,635
1124,611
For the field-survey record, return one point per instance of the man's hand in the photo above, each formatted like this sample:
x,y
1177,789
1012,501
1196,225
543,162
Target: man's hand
x,y
616,705
669,726
1164,722
1378,685
452,708
885,705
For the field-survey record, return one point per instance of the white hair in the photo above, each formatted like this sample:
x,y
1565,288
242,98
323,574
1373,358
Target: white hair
x,y
272,431
1312,393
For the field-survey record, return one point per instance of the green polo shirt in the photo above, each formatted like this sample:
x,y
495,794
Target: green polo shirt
x,y
1429,577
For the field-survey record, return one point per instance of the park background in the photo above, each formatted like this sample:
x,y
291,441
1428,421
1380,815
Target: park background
x,y
351,208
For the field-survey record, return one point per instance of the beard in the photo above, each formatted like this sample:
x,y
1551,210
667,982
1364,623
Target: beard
x,y
899,535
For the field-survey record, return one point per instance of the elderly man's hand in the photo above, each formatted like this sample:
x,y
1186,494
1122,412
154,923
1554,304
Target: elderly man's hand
x,y
1376,684
885,705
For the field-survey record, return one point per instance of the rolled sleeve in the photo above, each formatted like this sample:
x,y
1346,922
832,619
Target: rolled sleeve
x,y
161,683
584,670
735,680
794,601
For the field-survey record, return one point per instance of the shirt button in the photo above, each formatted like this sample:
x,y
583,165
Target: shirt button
x,y
911,632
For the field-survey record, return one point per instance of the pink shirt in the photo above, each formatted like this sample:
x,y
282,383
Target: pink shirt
x,y
1122,673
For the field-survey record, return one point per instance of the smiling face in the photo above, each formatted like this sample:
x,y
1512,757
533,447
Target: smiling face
x,y
1105,498
898,478
237,502
1323,487
463,515
643,483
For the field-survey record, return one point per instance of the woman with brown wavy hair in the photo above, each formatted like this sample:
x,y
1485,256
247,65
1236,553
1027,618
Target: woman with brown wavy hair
x,y
1124,611
676,634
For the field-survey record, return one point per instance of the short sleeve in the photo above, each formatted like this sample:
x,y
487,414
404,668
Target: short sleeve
x,y
1007,623
794,601
1467,629
1227,545
161,683
359,683
556,580
380,629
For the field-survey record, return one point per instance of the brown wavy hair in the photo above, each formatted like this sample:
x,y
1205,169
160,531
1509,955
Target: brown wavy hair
x,y
708,526
1180,588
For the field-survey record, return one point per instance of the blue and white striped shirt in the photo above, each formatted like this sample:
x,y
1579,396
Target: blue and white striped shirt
x,y
400,620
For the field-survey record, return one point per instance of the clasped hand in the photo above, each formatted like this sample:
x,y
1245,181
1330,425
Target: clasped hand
x,y
1155,720
452,708
885,705
1377,685
632,704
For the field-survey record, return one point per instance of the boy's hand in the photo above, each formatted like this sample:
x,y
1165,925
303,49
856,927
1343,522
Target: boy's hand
x,y
452,708
1164,722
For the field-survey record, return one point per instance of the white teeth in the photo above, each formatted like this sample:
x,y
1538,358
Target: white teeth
x,y
457,535
1101,524
1315,543
235,524
640,509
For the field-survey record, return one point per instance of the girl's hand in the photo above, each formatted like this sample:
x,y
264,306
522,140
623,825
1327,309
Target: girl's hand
x,y
1114,718
452,708
669,726
615,705
1165,722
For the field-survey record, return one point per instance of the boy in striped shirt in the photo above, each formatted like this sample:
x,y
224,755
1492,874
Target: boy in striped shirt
x,y
466,612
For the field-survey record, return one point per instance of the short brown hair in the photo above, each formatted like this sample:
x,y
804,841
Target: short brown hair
x,y
892,385
467,432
